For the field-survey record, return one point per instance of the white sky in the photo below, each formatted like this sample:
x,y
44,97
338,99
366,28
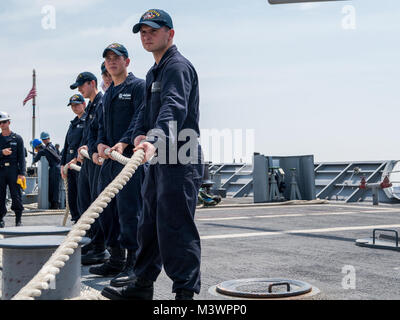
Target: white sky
x,y
292,73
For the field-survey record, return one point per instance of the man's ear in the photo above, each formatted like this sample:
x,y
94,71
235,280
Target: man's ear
x,y
127,62
171,34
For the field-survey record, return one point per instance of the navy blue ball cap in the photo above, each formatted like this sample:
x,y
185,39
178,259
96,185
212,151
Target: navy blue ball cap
x,y
117,48
154,18
82,78
76,99
44,136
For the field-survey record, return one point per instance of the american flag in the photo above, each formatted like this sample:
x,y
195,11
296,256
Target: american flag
x,y
30,96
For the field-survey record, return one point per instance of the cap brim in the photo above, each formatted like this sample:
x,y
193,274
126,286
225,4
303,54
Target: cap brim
x,y
74,86
136,27
113,50
77,102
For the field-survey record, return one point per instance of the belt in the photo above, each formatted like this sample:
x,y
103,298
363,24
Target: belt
x,y
5,164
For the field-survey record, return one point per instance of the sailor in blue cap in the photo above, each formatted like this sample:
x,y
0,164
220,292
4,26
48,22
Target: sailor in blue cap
x,y
83,78
121,104
95,252
70,152
48,150
44,136
36,144
167,233
12,168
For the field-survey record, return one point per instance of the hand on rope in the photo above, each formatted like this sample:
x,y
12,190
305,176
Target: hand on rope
x,y
57,261
84,152
81,156
116,156
101,148
72,165
138,140
119,147
107,152
97,159
149,150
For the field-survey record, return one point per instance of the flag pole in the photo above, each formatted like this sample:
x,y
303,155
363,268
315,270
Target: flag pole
x,y
33,113
34,106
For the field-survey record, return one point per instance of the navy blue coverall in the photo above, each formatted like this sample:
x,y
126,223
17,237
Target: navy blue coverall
x,y
88,176
92,144
10,167
54,160
71,145
167,233
120,108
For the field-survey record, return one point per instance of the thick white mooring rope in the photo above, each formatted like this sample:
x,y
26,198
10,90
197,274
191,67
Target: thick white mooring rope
x,y
66,203
57,261
67,211
75,167
117,156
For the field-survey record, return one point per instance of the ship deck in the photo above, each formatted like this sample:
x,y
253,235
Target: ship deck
x,y
311,243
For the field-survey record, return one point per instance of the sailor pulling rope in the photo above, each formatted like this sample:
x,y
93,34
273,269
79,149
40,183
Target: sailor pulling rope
x,y
57,261
77,168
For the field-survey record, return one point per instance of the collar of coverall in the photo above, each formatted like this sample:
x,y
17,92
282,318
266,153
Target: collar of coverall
x,y
166,55
129,79
95,101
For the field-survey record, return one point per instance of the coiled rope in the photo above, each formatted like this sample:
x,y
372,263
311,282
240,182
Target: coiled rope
x,y
57,261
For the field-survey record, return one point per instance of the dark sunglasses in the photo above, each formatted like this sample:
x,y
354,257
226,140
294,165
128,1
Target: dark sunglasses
x,y
3,122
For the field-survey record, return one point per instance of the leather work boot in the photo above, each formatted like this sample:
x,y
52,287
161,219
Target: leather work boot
x,y
95,257
127,275
183,294
139,289
18,217
113,266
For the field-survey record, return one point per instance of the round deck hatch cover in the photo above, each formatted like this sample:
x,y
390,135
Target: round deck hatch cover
x,y
263,288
